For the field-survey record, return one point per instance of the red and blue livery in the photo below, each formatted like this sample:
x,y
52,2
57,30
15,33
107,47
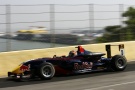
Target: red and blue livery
x,y
84,61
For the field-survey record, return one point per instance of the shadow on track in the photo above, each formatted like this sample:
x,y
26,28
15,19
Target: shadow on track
x,y
8,83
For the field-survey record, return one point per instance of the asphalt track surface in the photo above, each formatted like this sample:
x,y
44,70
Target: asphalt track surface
x,y
124,80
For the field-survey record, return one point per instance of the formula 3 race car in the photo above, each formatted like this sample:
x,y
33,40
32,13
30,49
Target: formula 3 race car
x,y
85,61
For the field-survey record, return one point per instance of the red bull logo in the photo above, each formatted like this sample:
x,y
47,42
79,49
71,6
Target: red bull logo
x,y
25,68
85,65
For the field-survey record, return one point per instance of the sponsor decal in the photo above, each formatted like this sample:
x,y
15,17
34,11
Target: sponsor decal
x,y
25,68
85,65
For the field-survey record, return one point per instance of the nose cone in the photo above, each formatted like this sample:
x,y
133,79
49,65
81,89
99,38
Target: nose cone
x,y
17,70
21,68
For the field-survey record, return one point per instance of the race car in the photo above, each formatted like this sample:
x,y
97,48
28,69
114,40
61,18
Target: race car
x,y
82,61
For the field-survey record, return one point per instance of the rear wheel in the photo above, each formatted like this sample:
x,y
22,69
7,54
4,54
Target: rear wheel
x,y
46,71
118,63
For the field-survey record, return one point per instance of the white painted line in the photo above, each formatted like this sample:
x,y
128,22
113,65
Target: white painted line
x,y
119,84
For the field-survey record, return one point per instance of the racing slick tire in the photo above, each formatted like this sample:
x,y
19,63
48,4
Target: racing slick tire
x,y
46,71
118,63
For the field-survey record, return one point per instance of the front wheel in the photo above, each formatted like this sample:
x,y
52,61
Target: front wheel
x,y
118,63
46,71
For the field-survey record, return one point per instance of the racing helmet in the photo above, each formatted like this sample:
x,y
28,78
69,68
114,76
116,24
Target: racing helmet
x,y
72,53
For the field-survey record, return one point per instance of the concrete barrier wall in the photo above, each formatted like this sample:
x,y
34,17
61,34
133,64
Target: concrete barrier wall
x,y
9,60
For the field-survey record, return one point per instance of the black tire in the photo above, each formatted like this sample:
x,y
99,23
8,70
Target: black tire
x,y
46,71
118,63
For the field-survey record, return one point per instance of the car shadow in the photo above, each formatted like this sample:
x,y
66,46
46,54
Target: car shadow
x,y
4,82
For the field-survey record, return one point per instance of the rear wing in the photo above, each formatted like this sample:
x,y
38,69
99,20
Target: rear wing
x,y
120,47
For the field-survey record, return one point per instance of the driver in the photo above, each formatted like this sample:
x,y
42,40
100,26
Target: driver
x,y
80,51
72,53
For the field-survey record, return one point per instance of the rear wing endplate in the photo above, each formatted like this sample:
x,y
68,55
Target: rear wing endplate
x,y
120,47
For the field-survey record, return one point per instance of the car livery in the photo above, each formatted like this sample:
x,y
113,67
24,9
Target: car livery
x,y
47,68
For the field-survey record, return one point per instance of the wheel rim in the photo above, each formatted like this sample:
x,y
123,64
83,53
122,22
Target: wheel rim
x,y
120,63
47,71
